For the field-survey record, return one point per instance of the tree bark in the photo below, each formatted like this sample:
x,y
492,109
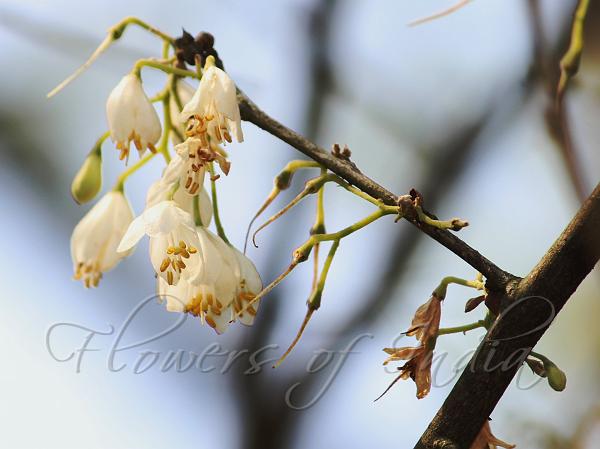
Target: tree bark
x,y
528,308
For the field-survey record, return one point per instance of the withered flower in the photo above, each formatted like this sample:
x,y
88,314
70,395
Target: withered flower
x,y
426,322
486,440
417,367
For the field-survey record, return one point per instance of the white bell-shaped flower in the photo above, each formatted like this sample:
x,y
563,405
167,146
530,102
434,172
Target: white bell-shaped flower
x,y
160,191
194,157
173,240
249,285
213,110
96,237
209,294
131,117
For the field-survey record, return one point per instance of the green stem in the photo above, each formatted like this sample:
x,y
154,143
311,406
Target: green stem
x,y
197,216
318,228
303,251
352,228
569,64
114,33
454,224
441,289
342,183
215,204
97,148
461,329
163,66
131,170
314,301
540,357
117,30
160,96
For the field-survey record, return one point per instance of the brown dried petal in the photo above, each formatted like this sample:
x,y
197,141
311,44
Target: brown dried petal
x,y
486,440
472,303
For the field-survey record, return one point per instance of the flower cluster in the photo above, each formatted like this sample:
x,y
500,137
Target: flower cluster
x,y
198,272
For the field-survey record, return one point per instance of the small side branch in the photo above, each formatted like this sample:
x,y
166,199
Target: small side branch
x,y
497,278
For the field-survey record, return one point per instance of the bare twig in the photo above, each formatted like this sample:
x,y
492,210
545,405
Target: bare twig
x,y
496,277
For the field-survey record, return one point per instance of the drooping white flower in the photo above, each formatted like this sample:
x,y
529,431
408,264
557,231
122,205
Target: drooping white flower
x,y
95,238
131,117
208,294
173,240
213,110
195,156
160,191
249,285
185,92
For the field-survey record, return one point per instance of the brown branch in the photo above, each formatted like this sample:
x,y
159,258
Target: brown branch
x,y
496,277
529,308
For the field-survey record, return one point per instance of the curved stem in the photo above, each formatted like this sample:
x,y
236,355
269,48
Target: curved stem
x,y
461,329
164,66
352,228
440,290
131,170
118,29
215,204
114,33
163,146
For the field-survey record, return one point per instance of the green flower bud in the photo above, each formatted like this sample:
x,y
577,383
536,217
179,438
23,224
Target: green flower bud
x,y
88,180
557,379
284,179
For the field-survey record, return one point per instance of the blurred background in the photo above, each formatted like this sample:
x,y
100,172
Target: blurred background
x,y
457,108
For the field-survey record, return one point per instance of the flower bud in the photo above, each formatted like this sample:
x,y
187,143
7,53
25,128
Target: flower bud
x,y
302,252
284,179
88,180
557,379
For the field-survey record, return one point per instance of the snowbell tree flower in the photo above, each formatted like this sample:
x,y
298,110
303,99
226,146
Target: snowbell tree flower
x,y
213,110
249,285
425,326
173,240
96,237
486,440
209,294
426,321
131,117
417,367
194,155
161,191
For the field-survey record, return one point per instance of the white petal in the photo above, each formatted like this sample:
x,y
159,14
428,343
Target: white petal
x,y
205,206
165,217
176,296
134,233
248,273
222,321
95,238
129,112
